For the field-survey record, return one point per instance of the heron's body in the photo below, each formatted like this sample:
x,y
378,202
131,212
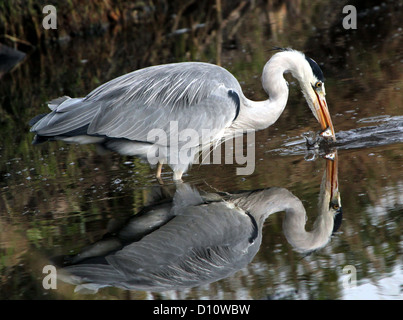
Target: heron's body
x,y
121,114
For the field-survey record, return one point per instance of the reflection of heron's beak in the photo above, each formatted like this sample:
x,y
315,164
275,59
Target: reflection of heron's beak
x,y
324,116
332,184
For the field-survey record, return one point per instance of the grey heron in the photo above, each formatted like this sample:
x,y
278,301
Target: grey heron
x,y
120,114
193,239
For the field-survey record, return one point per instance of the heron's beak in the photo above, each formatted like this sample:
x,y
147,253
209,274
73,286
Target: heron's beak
x,y
332,183
324,118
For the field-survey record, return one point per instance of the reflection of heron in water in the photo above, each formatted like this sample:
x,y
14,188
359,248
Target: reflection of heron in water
x,y
120,114
193,239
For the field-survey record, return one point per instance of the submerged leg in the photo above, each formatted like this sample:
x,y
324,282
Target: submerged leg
x,y
178,176
158,173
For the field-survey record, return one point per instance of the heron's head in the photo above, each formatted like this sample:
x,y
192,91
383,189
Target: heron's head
x,y
312,84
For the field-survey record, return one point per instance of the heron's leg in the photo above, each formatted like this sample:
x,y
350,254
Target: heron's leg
x,y
158,173
178,176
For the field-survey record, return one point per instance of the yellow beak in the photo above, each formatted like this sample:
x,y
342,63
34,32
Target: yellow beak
x,y
324,116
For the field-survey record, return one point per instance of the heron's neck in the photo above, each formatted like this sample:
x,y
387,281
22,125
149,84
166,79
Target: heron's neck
x,y
261,204
259,115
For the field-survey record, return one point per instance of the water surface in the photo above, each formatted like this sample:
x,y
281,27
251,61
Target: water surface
x,y
56,198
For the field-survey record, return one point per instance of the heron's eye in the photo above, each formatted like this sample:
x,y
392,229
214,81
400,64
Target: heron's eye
x,y
335,206
318,85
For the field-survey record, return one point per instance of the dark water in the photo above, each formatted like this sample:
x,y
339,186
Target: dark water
x,y
56,199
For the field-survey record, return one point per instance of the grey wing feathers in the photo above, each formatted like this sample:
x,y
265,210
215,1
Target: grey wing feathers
x,y
193,94
172,85
196,95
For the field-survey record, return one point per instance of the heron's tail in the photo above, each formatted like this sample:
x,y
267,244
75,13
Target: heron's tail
x,y
68,121
53,104
38,139
36,119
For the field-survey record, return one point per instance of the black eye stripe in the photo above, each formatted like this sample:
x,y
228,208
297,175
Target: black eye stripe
x,y
315,69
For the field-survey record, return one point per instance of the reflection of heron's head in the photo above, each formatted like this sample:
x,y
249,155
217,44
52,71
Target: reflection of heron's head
x,y
329,214
330,200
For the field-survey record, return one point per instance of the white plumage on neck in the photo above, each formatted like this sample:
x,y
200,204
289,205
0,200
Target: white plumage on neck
x,y
258,115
